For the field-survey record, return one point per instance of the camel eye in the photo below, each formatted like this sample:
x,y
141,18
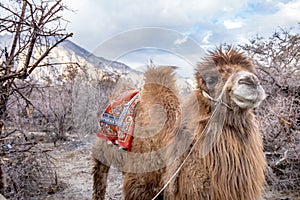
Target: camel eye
x,y
211,81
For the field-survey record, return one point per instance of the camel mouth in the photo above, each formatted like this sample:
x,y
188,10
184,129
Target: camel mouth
x,y
244,102
248,98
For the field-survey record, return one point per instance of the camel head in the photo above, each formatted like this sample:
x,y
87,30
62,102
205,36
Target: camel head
x,y
230,75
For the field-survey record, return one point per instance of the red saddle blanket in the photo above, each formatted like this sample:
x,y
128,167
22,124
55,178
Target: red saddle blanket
x,y
117,121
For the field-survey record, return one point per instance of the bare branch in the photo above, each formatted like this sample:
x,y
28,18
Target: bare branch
x,y
17,35
47,52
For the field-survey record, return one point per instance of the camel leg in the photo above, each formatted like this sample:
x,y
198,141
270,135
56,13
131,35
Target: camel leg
x,y
100,173
137,187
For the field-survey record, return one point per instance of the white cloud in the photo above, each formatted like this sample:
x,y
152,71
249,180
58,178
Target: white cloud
x,y
285,15
96,21
290,10
139,59
205,39
181,40
232,24
207,22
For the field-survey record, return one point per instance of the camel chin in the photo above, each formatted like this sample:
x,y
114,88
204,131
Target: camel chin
x,y
247,91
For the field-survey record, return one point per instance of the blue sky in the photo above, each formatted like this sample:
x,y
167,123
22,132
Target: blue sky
x,y
208,23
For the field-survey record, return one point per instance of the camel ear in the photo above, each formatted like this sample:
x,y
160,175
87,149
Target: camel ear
x,y
201,84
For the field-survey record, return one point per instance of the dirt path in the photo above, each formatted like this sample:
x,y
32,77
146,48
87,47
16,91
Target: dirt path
x,y
74,170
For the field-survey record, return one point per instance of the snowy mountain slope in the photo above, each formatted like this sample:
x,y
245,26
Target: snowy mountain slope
x,y
68,51
100,62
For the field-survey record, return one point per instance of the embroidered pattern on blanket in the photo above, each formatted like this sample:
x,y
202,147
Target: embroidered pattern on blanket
x,y
117,121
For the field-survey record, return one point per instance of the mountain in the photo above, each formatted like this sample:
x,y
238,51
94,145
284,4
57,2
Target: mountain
x,y
99,62
68,51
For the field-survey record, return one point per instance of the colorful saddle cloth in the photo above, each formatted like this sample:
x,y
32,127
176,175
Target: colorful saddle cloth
x,y
117,121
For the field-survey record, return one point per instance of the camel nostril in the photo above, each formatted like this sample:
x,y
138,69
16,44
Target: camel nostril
x,y
249,80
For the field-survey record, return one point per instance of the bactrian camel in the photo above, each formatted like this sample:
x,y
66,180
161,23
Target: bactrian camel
x,y
206,146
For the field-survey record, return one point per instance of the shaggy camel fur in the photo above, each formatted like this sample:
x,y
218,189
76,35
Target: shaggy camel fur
x,y
214,148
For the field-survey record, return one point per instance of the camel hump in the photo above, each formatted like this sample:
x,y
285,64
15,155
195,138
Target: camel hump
x,y
158,113
158,78
160,92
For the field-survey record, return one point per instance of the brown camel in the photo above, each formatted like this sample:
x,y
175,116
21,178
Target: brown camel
x,y
208,147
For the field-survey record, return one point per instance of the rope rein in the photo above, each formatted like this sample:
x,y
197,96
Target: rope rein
x,y
217,101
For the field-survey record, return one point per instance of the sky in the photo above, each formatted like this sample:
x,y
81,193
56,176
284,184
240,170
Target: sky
x,y
173,32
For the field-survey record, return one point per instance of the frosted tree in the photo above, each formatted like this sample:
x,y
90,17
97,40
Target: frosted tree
x,y
278,61
34,29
